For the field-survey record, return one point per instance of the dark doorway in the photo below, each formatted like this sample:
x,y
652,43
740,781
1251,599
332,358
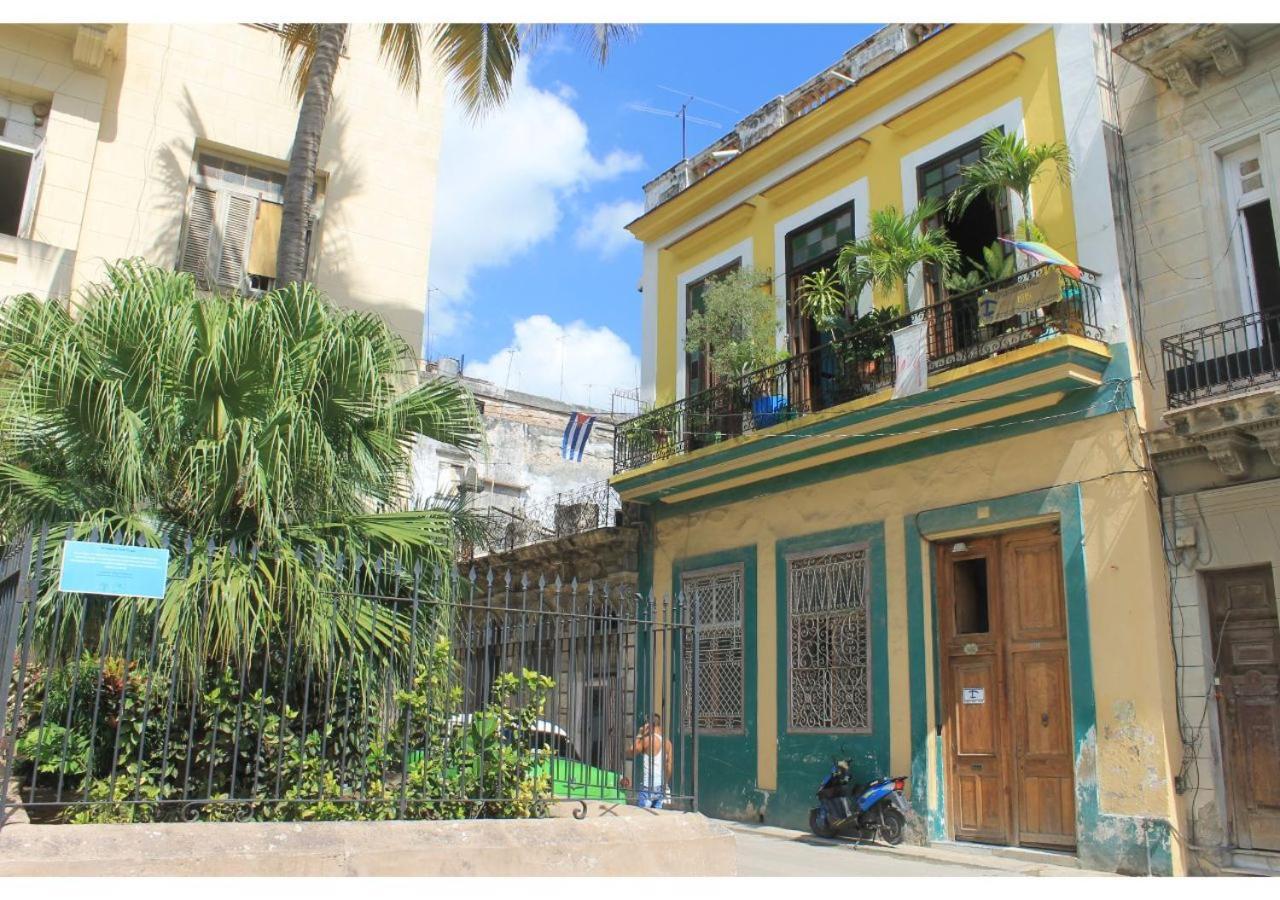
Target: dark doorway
x,y
1266,261
954,327
811,248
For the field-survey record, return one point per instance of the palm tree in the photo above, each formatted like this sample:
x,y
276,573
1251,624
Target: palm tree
x,y
1009,163
894,245
479,58
160,416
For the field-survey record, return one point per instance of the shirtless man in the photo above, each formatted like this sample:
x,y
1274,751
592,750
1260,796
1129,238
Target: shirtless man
x,y
655,752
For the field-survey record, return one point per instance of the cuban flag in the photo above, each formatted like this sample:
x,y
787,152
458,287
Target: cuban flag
x,y
575,436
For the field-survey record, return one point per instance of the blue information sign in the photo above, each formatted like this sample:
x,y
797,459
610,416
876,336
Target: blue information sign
x,y
116,569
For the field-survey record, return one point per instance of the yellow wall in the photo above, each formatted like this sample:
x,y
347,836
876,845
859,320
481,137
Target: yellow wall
x,y
1128,626
876,155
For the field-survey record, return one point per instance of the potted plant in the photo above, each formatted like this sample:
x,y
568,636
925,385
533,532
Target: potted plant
x,y
737,330
1010,163
884,259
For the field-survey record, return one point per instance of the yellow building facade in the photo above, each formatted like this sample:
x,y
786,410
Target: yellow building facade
x,y
962,585
171,142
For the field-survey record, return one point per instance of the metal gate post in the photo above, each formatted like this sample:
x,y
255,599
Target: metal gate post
x,y
14,568
693,698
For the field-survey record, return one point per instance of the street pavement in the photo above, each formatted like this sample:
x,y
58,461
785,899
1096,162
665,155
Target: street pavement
x,y
780,852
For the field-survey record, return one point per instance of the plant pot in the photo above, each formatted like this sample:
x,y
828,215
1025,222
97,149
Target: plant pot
x,y
766,411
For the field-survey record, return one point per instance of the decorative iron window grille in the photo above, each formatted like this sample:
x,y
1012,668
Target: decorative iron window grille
x,y
828,638
714,601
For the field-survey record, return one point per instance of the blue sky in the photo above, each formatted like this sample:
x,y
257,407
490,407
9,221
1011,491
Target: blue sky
x,y
532,278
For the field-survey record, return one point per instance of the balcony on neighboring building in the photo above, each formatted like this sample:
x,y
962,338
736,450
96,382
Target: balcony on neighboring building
x,y
1182,54
965,336
1223,388
1225,358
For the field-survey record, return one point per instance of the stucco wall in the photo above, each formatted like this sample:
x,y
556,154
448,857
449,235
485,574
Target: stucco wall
x,y
1125,757
121,141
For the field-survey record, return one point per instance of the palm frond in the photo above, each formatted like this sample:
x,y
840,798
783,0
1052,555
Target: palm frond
x,y
480,59
400,47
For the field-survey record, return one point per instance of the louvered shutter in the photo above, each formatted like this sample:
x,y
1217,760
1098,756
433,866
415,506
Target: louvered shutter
x,y
35,174
233,251
197,250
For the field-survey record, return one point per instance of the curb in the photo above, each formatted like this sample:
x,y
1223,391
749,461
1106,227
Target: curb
x,y
963,858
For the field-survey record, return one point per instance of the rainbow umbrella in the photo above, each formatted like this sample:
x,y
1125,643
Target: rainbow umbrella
x,y
1046,254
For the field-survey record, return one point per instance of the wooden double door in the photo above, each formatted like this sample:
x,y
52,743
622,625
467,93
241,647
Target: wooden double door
x,y
1006,689
1246,649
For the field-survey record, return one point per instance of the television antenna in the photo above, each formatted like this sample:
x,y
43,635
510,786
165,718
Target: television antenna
x,y
683,115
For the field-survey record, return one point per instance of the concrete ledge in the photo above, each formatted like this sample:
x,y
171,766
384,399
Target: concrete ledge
x,y
655,843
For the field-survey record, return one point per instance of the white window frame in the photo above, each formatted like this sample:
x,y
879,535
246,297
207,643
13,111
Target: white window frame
x,y
35,176
1237,228
740,252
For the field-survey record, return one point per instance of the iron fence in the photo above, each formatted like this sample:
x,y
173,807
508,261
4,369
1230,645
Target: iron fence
x,y
855,366
563,514
394,695
1223,358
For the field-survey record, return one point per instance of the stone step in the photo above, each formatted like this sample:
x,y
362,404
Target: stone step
x,y
1256,862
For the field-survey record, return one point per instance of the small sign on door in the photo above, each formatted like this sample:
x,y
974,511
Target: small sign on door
x,y
973,695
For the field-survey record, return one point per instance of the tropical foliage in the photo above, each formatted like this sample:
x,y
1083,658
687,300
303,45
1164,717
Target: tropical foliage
x,y
480,59
281,426
995,265
737,324
1009,163
114,737
884,259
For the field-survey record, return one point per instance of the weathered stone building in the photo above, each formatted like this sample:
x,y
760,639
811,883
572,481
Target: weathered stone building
x,y
1198,119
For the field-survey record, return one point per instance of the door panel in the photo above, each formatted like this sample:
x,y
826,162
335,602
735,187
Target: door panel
x,y
1242,611
978,764
1043,762
1033,586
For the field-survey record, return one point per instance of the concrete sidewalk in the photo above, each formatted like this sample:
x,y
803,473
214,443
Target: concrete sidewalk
x,y
765,850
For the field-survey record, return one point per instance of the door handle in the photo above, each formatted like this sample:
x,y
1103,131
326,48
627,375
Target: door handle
x,y
1044,719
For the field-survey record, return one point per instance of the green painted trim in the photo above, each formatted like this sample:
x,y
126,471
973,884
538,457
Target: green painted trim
x,y
916,670
1063,356
804,757
727,765
940,419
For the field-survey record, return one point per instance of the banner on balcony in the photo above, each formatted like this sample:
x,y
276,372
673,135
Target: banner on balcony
x,y
575,437
911,359
1022,297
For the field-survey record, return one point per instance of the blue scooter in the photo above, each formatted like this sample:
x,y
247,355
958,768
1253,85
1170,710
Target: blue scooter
x,y
864,811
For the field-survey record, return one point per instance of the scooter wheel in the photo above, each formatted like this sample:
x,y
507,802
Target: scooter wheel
x,y
892,825
820,825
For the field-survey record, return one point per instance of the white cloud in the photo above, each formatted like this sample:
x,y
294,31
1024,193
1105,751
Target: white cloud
x,y
592,362
604,229
503,183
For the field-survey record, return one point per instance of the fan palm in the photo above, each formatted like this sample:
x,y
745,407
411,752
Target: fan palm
x,y
1010,163
895,244
282,426
479,58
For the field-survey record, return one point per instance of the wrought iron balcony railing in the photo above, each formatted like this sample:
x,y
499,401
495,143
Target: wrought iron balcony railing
x,y
1223,358
1133,30
859,365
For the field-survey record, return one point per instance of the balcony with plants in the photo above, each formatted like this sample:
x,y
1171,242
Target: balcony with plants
x,y
1003,302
